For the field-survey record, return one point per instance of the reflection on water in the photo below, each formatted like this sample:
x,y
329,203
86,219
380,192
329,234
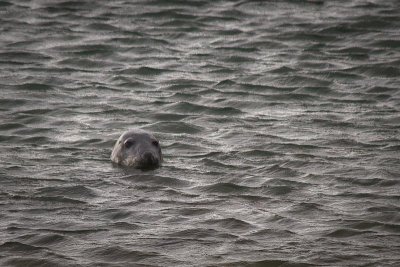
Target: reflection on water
x,y
279,123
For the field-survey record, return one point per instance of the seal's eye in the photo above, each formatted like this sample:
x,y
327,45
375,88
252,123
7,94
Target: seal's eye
x,y
128,143
155,143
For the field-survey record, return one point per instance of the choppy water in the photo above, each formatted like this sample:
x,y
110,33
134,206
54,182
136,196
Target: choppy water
x,y
279,123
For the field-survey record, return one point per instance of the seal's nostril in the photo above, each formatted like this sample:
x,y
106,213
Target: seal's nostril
x,y
149,158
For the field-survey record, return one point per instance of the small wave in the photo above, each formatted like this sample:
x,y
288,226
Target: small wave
x,y
375,226
11,126
23,57
177,127
125,226
119,254
5,3
30,261
85,64
102,27
343,233
19,247
381,90
201,233
8,103
78,191
146,71
269,263
232,224
190,108
157,180
386,43
35,87
378,70
257,153
46,240
225,188
278,122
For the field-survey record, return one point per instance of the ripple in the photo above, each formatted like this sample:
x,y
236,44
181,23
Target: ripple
x,y
23,57
225,188
30,262
48,239
146,71
188,108
5,3
157,180
343,233
18,247
101,27
85,64
7,104
11,126
278,122
381,89
125,225
78,191
283,172
176,127
378,70
374,225
34,86
261,154
232,224
119,254
199,233
388,43
51,199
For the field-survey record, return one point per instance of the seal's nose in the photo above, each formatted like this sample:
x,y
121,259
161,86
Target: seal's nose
x,y
149,159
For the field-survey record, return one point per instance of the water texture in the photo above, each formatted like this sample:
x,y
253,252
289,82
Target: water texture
x,y
279,123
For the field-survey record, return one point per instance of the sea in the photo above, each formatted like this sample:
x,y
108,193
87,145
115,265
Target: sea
x,y
279,123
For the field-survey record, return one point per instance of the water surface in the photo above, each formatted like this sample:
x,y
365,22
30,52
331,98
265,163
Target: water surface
x,y
279,123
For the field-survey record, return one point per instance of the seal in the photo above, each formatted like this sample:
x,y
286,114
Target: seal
x,y
137,148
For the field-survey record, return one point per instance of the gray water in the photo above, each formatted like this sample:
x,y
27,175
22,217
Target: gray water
x,y
279,123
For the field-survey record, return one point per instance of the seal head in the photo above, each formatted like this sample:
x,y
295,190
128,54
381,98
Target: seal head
x,y
137,148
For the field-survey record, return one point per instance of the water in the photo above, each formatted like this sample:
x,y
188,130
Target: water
x,y
279,123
